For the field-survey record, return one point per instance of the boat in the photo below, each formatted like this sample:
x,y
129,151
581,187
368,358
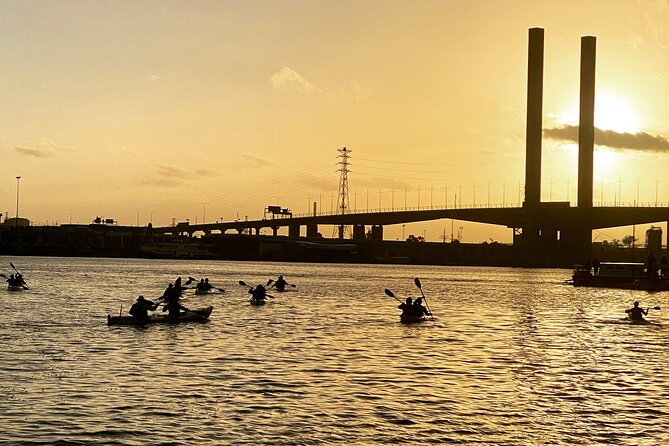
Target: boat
x,y
15,288
624,275
203,292
409,319
198,315
638,321
253,301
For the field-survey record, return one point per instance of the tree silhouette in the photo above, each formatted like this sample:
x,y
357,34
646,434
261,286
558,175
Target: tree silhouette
x,y
628,240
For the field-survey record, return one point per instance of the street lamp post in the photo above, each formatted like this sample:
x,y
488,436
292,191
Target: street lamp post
x,y
17,201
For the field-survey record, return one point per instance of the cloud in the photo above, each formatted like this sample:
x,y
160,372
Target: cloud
x,y
205,172
46,148
127,151
33,152
47,142
641,141
174,172
173,176
258,159
289,79
317,182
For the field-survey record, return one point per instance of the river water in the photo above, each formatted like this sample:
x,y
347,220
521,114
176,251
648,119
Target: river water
x,y
513,357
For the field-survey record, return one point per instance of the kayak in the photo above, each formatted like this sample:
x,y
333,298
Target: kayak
x,y
15,288
211,291
408,319
199,315
253,301
638,321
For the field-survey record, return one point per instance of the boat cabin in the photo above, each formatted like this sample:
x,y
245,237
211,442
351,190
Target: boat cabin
x,y
621,269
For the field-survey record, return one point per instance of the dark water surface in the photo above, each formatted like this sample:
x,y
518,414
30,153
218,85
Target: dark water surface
x,y
514,357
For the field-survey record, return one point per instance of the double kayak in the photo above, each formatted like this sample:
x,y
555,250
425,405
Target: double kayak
x,y
203,292
15,288
409,319
199,315
253,301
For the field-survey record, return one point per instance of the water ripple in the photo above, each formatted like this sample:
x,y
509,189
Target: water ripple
x,y
513,357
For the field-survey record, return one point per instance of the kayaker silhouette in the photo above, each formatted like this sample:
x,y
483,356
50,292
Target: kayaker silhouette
x,y
173,306
167,292
207,285
406,307
140,309
636,313
418,309
280,283
258,293
202,286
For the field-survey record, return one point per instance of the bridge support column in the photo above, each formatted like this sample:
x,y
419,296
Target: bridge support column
x,y
358,232
312,230
549,240
576,244
275,231
294,230
377,232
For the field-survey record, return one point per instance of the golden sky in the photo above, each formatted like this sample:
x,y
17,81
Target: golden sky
x,y
140,110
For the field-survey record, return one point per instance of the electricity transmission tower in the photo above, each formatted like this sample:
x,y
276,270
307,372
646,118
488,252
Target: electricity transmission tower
x,y
342,199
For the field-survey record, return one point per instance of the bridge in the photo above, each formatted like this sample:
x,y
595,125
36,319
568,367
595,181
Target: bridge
x,y
551,217
540,228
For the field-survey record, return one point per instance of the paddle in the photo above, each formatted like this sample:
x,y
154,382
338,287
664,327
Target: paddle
x,y
242,283
391,294
12,265
417,282
647,310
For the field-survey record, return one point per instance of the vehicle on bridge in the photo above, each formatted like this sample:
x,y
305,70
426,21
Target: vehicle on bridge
x,y
274,211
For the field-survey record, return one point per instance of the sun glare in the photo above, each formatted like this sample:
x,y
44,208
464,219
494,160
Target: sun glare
x,y
606,161
612,112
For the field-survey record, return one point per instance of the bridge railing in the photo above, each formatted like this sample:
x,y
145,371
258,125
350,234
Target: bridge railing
x,y
632,204
470,206
409,209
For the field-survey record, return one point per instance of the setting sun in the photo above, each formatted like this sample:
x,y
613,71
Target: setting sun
x,y
612,112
